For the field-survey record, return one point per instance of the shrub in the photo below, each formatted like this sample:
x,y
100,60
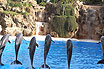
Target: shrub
x,y
64,24
51,8
24,4
29,4
71,24
15,4
69,10
58,25
9,12
42,3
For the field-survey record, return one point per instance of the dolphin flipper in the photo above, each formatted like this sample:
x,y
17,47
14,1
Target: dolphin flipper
x,y
44,66
101,61
16,62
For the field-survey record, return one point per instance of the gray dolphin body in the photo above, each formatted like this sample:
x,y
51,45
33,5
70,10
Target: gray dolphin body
x,y
47,45
31,48
69,51
18,40
102,45
3,42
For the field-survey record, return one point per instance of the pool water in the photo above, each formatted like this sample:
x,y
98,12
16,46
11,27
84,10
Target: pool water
x,y
85,55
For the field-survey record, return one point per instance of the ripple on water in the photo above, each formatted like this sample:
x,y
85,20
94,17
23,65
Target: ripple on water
x,y
85,55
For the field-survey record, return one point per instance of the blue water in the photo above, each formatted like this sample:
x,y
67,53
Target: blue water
x,y
85,55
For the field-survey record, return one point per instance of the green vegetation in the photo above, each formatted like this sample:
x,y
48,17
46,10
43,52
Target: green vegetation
x,y
9,12
71,1
15,4
58,25
52,9
27,4
64,20
69,10
56,1
42,3
18,4
15,13
71,24
62,24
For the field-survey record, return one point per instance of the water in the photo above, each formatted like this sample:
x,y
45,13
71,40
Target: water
x,y
85,55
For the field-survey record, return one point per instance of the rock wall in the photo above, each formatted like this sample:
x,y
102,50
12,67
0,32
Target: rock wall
x,y
23,18
42,28
90,20
17,24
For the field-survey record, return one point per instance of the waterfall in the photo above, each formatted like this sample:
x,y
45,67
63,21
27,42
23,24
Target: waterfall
x,y
48,0
38,27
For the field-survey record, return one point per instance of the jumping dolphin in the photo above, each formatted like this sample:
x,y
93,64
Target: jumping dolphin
x,y
18,40
47,45
69,46
3,42
31,48
102,45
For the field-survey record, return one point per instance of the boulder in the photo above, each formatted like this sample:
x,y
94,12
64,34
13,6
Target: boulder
x,y
27,32
54,34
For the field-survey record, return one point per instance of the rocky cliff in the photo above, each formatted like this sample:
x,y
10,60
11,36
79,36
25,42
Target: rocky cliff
x,y
90,20
23,16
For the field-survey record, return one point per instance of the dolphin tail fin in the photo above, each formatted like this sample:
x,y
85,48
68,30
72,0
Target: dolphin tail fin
x,y
16,62
101,61
44,66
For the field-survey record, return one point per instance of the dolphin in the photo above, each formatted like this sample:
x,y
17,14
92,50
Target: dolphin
x,y
31,48
102,45
69,46
18,40
3,42
47,45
